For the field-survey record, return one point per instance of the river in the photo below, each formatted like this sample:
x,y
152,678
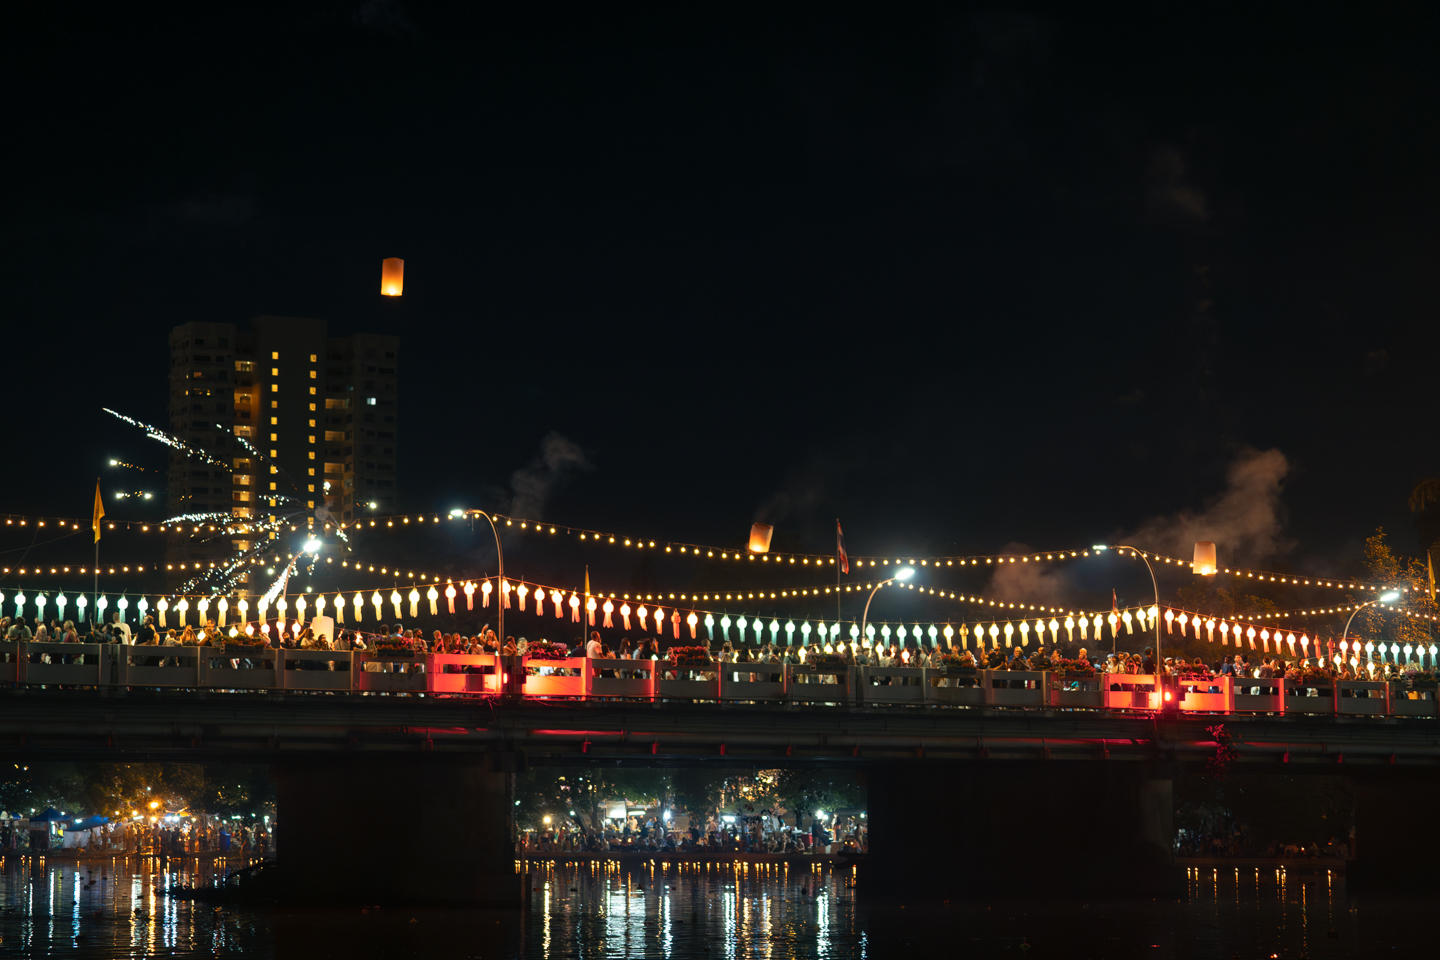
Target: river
x,y
709,911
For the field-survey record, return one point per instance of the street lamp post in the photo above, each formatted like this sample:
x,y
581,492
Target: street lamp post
x,y
500,554
1387,597
900,575
1153,583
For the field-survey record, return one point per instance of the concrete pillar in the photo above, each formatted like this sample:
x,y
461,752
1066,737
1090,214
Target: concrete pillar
x,y
1395,841
972,830
388,829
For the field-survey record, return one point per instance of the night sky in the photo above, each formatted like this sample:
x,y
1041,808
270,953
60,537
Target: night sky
x,y
964,278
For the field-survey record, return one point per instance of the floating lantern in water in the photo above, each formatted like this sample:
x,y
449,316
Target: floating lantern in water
x,y
392,277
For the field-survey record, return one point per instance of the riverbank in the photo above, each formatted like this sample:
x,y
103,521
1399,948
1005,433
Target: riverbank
x,y
648,856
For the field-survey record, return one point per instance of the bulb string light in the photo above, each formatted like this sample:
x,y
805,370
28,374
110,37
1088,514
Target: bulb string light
x,y
237,526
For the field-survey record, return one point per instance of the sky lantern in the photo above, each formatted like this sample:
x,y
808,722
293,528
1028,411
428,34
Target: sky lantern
x,y
1204,563
760,534
392,277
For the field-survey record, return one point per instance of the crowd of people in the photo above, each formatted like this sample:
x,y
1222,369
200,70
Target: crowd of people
x,y
158,837
765,832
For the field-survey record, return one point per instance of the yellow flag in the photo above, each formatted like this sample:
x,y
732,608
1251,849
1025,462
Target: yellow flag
x,y
99,511
1430,563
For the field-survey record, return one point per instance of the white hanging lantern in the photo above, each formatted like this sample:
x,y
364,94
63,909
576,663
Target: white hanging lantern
x,y
40,601
223,607
949,635
1024,634
1054,630
1129,622
282,606
693,621
994,635
204,606
100,605
742,624
774,632
300,608
1009,629
60,601
574,607
182,608
789,633
123,605
933,634
414,599
450,597
378,602
244,607
357,603
320,605
1070,628
725,628
709,626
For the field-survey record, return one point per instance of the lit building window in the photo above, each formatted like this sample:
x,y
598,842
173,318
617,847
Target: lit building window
x,y
272,487
312,490
274,421
312,436
310,504
273,438
312,454
312,391
312,471
312,358
274,371
312,406
369,401
274,388
312,424
312,374
275,355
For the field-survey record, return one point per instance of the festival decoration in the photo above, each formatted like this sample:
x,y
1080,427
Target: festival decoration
x,y
433,595
522,592
450,598
392,277
608,608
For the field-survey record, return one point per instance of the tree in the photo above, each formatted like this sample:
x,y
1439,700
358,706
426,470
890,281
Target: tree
x,y
1225,603
1396,626
1425,504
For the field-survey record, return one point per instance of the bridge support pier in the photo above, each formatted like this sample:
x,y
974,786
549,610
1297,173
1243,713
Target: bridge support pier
x,y
387,828
1394,840
982,829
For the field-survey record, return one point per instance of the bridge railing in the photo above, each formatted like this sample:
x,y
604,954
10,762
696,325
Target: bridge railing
x,y
344,671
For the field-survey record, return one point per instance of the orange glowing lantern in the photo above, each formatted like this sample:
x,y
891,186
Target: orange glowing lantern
x,y
1204,562
392,277
760,535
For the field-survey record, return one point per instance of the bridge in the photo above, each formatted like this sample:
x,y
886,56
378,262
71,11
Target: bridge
x,y
1008,770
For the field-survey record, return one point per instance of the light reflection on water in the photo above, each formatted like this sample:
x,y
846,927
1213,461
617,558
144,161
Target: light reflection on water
x,y
710,911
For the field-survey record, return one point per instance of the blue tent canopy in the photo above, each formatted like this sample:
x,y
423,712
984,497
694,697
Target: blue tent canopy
x,y
50,814
88,823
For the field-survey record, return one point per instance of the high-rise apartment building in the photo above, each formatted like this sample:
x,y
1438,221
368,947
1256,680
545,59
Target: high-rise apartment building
x,y
320,410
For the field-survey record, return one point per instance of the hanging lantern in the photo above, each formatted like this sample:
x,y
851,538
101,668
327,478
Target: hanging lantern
x,y
1344,646
692,620
392,277
244,607
1054,630
725,627
61,600
320,605
450,597
1009,629
81,602
432,595
295,628
1204,562
1114,625
933,634
183,607
522,592
1069,629
123,604
265,629
1098,623
900,633
949,635
994,636
625,616
1024,634
854,634
760,534
395,600
300,608
741,623
223,606
1251,637
378,602
249,629
1084,628
575,609
870,634
41,600
805,633
1183,620
1170,622
539,602
557,603
281,606
204,606
1394,652
1129,622
1210,630
590,610
675,625
358,603
659,621
1225,634
709,627
505,594
608,608
965,637
1154,617
789,633
643,616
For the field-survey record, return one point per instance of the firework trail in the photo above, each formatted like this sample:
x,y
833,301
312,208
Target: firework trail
x,y
155,433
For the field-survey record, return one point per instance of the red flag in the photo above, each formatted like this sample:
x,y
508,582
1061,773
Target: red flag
x,y
840,548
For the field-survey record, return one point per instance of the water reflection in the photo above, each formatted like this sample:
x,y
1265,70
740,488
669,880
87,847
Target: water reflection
x,y
716,911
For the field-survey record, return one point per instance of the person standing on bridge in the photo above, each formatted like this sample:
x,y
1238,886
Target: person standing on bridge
x,y
594,649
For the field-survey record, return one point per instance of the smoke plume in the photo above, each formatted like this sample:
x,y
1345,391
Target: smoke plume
x,y
1246,521
533,484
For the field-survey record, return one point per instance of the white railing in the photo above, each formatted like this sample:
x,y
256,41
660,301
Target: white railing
x,y
458,675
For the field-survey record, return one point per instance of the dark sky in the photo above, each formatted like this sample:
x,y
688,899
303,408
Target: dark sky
x,y
961,277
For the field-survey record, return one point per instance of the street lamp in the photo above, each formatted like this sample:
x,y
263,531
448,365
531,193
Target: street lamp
x,y
901,575
1387,597
499,553
1154,584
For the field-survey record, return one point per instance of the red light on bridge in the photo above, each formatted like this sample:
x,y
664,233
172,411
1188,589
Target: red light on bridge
x,y
1168,696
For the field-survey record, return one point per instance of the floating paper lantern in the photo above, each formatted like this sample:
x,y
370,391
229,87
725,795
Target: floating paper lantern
x,y
1204,562
392,277
760,534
